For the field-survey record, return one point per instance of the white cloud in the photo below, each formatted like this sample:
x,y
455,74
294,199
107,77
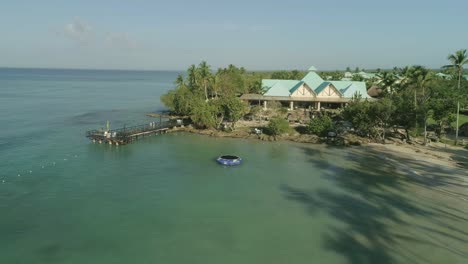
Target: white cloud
x,y
78,31
82,33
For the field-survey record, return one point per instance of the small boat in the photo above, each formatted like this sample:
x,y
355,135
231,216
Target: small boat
x,y
229,160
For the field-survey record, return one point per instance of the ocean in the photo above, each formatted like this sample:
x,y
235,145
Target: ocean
x,y
164,199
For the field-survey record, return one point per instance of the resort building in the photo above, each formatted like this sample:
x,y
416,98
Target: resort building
x,y
448,76
444,76
365,75
310,92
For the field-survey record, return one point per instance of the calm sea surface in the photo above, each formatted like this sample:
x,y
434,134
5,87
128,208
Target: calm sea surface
x,y
165,200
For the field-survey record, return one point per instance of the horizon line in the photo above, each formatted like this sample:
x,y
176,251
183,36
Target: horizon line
x,y
180,70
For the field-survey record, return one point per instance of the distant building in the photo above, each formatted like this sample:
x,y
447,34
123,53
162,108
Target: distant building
x,y
310,92
444,76
348,76
448,76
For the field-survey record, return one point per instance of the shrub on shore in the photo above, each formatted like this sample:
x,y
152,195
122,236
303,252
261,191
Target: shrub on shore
x,y
277,126
320,125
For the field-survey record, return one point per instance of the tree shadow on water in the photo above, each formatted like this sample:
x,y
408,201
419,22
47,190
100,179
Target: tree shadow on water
x,y
373,212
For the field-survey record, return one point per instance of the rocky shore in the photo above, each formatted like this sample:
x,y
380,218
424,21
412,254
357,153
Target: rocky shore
x,y
438,153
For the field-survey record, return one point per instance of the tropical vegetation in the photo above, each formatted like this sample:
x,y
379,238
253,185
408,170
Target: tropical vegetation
x,y
320,125
411,98
277,126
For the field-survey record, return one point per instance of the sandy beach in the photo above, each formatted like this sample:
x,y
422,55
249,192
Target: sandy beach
x,y
435,153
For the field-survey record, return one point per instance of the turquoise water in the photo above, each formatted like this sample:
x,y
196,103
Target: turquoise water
x,y
165,200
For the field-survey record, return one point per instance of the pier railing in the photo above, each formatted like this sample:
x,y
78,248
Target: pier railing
x,y
125,135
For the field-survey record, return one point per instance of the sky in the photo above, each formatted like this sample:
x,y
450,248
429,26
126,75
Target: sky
x,y
258,35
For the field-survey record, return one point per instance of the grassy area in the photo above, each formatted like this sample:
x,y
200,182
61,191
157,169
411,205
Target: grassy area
x,y
463,119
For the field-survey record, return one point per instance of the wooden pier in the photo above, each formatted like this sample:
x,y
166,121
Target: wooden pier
x,y
126,135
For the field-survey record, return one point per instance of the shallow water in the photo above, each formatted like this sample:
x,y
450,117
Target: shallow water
x,y
165,200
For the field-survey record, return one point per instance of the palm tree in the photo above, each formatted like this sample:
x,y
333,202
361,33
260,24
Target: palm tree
x,y
180,80
204,73
403,76
422,78
192,77
416,79
458,59
386,80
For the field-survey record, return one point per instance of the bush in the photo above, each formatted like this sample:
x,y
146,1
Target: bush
x,y
283,110
206,114
277,126
274,105
320,125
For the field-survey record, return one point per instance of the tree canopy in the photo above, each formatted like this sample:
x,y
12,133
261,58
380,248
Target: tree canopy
x,y
210,98
411,96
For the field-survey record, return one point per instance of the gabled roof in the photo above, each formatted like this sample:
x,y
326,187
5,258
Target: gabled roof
x,y
295,87
321,87
341,85
324,85
355,88
267,83
279,87
313,80
285,88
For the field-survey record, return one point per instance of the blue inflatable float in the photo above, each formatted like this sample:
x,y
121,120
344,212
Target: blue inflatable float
x,y
229,160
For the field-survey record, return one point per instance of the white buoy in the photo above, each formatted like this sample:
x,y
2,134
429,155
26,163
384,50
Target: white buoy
x,y
3,181
19,175
65,159
30,171
42,166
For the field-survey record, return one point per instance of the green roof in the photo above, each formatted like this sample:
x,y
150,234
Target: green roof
x,y
279,87
321,87
341,85
312,79
324,85
292,90
444,76
355,88
347,88
268,83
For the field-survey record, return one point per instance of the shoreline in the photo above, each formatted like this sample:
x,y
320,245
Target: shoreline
x,y
435,153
